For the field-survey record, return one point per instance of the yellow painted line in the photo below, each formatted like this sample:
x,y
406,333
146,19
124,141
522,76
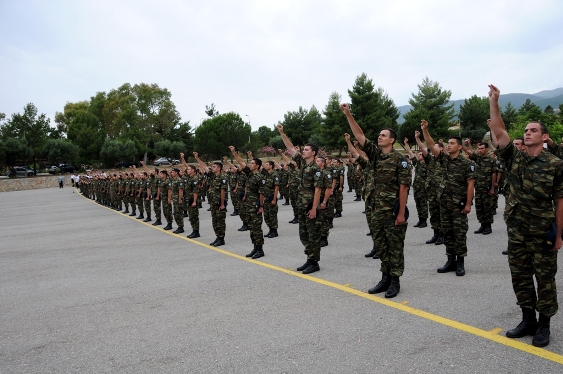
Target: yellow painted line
x,y
405,302
491,335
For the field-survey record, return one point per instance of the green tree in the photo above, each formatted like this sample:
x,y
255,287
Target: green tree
x,y
265,133
29,125
300,125
531,112
473,115
509,115
548,109
60,150
372,109
12,151
214,136
86,131
211,111
334,124
431,104
182,132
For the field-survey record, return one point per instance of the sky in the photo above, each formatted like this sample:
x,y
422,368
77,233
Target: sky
x,y
262,59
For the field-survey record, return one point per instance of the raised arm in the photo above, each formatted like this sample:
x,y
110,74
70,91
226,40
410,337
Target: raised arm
x,y
202,164
467,149
408,148
288,144
237,157
284,156
356,129
497,124
420,144
184,163
433,147
351,147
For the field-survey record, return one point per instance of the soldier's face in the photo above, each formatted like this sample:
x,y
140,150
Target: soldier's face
x,y
253,166
320,163
453,146
307,152
518,144
384,139
533,135
482,150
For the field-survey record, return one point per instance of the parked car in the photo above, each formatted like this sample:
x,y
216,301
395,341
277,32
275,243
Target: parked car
x,y
53,170
126,164
67,168
19,171
175,162
161,161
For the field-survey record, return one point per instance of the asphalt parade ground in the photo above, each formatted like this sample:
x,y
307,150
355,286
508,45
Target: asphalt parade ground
x,y
85,289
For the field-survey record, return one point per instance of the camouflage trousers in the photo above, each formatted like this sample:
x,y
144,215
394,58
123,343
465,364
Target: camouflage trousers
x,y
254,222
167,211
193,217
528,259
178,212
147,202
326,215
218,219
454,226
293,191
421,201
370,210
157,207
271,215
433,206
139,202
389,239
310,235
484,206
241,209
338,201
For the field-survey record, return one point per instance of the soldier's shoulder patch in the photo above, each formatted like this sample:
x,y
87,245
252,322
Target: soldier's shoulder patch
x,y
318,173
195,182
328,176
169,184
181,184
277,178
263,181
224,181
405,164
472,167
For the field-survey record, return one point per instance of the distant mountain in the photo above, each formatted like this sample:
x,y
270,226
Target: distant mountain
x,y
541,99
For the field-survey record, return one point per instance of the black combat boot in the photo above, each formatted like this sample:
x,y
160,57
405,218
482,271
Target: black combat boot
x,y
375,256
383,284
194,234
313,267
324,241
417,224
440,239
286,202
244,227
488,229
460,269
330,225
528,326
294,220
450,265
185,214
158,222
141,216
179,230
358,198
126,210
253,251
480,229
219,242
505,252
371,253
133,214
394,288
235,213
304,266
148,219
168,227
434,237
273,233
338,215
259,252
422,224
268,234
541,338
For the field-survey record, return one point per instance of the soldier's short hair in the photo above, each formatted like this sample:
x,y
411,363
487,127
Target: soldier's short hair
x,y
484,144
457,139
519,138
392,133
543,128
220,164
313,147
257,161
272,163
165,172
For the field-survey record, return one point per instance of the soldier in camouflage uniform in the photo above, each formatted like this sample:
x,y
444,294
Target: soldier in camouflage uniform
x,y
127,193
368,193
485,185
271,190
166,186
457,188
308,202
254,200
132,194
392,180
433,179
156,181
147,195
176,197
192,190
284,183
535,204
293,183
217,195
325,210
420,176
338,172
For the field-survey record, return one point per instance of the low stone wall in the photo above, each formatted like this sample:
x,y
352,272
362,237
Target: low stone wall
x,y
32,183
